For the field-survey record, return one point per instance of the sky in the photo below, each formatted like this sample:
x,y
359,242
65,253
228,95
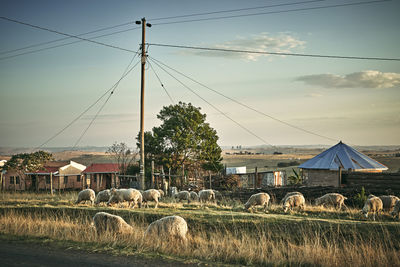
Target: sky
x,y
356,101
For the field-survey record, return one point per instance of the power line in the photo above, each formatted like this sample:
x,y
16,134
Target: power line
x,y
84,112
161,83
105,102
234,10
213,106
65,38
272,53
66,34
270,12
245,105
65,44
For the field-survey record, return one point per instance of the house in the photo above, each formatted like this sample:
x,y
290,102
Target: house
x,y
326,168
100,176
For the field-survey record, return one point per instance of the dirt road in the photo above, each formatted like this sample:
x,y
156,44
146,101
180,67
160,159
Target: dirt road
x,y
27,254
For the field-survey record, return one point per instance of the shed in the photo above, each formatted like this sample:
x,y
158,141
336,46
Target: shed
x,y
100,176
325,169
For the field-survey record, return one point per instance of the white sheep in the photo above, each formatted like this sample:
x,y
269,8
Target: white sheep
x,y
182,195
389,202
106,222
103,196
334,199
294,201
290,194
151,195
194,196
206,195
374,205
396,210
86,195
162,194
261,199
171,227
131,195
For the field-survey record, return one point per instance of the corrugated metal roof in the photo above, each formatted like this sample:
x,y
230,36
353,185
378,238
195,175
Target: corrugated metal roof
x,y
102,168
344,156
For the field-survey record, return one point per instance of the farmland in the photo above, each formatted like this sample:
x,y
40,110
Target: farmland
x,y
218,233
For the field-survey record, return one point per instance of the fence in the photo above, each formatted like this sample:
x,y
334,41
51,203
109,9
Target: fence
x,y
263,179
372,180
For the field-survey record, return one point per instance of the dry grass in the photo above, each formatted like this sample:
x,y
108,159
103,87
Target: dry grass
x,y
225,233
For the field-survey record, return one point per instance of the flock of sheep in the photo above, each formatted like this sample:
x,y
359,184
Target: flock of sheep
x,y
176,226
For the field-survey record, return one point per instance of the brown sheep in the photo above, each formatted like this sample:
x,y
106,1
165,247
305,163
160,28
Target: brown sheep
x,y
334,199
374,205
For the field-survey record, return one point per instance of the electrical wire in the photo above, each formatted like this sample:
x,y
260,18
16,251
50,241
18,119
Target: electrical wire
x,y
213,106
65,44
270,12
272,53
82,113
65,38
245,105
66,34
234,10
161,83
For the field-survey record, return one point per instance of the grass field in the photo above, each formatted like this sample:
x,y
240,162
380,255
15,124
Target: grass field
x,y
226,233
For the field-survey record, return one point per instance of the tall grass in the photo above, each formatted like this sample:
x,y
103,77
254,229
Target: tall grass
x,y
310,244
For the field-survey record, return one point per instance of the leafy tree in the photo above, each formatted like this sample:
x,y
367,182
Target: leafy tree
x,y
122,155
28,162
184,137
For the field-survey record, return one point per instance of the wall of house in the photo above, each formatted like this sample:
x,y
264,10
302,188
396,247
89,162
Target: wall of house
x,y
7,185
98,181
320,178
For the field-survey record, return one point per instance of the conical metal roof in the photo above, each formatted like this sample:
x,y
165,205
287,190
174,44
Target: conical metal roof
x,y
344,156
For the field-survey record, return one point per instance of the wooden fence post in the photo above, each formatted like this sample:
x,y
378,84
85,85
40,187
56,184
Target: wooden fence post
x,y
209,174
255,177
51,183
152,174
169,181
163,179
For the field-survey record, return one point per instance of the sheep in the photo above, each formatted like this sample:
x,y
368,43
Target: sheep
x,y
162,194
374,205
85,195
206,195
103,196
290,194
294,201
396,210
194,196
131,195
334,199
151,195
169,227
261,199
182,195
388,202
106,222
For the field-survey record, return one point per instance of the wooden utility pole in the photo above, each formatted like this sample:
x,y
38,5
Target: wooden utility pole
x,y
51,183
143,69
152,174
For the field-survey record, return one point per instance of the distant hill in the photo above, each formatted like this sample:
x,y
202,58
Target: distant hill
x,y
17,150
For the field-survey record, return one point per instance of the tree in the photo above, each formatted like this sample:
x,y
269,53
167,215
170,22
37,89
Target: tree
x,y
295,178
28,162
184,137
122,155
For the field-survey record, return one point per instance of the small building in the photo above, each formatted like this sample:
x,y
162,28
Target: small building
x,y
100,176
272,178
235,170
326,168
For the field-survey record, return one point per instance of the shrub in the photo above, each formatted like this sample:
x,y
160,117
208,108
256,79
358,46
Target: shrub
x,y
360,198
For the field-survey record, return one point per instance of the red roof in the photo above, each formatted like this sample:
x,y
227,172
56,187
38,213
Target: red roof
x,y
102,168
51,166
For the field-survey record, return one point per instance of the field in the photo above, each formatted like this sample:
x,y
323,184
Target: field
x,y
222,233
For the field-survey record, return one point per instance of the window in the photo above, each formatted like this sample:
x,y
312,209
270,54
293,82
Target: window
x,y
95,178
11,179
17,179
47,179
65,179
78,178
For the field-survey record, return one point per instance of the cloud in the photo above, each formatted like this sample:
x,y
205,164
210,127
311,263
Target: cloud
x,y
363,79
283,43
314,95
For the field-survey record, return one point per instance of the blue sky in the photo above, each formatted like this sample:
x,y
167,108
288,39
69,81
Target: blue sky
x,y
357,101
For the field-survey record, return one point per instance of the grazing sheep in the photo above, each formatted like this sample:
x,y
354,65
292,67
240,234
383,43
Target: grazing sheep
x,y
374,205
103,196
151,195
261,199
85,195
206,195
290,194
171,227
161,193
182,195
294,201
396,210
334,199
131,195
388,202
194,196
105,222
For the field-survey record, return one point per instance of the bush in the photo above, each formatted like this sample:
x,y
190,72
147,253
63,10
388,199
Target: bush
x,y
228,182
360,198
